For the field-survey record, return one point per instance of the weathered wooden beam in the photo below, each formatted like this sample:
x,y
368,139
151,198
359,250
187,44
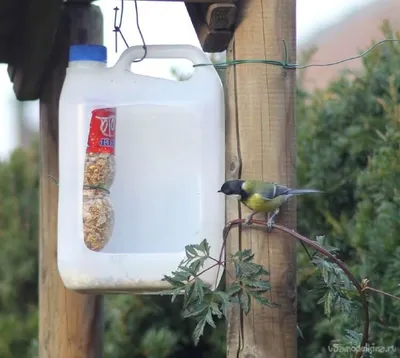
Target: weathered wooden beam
x,y
186,1
196,1
78,1
260,144
70,323
32,44
8,26
4,50
214,24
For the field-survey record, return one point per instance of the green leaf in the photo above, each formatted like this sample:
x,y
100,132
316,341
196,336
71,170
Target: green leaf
x,y
198,331
174,292
215,310
261,285
244,301
246,255
190,251
353,337
195,310
205,247
196,257
243,255
188,296
223,296
246,269
345,305
321,241
224,301
184,273
233,289
209,319
173,281
198,290
299,332
181,274
195,265
328,304
325,268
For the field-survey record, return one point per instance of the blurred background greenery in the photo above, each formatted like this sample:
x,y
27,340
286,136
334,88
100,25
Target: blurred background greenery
x,y
348,145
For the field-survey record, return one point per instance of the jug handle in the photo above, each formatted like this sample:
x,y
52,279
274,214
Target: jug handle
x,y
189,52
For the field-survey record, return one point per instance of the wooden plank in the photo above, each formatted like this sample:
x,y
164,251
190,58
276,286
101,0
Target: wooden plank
x,y
196,1
78,1
8,26
32,45
4,50
261,145
70,324
214,24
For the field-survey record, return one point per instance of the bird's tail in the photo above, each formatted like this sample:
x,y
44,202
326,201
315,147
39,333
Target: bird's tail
x,y
303,191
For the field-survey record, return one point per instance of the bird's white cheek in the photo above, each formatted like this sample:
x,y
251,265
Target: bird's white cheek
x,y
235,196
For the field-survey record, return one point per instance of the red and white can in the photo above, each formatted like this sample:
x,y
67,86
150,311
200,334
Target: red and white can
x,y
100,150
102,131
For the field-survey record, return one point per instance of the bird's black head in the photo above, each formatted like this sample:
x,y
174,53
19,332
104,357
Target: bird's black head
x,y
232,187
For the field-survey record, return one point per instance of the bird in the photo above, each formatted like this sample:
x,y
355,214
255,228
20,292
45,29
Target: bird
x,y
261,197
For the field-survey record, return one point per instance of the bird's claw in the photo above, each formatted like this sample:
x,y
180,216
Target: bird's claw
x,y
248,219
269,225
271,220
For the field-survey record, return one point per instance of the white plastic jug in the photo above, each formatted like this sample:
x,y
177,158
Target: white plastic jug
x,y
167,141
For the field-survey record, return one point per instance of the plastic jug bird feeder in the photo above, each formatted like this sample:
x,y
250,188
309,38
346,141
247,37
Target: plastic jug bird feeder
x,y
140,160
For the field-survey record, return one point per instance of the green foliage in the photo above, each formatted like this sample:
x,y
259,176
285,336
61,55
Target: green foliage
x,y
19,227
348,145
338,290
155,326
152,326
200,302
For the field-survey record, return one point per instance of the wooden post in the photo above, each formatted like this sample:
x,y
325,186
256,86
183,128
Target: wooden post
x,y
70,324
261,145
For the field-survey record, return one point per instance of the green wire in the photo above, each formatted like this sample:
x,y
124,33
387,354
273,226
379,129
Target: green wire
x,y
291,66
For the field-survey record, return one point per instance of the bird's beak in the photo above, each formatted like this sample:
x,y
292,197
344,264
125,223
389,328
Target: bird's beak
x,y
219,191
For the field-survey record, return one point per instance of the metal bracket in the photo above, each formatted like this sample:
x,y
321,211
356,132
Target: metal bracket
x,y
214,24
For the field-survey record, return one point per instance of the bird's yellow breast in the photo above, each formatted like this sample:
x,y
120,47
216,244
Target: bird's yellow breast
x,y
257,203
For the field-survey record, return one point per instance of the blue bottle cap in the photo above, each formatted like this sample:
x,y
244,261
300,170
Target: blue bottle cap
x,y
88,53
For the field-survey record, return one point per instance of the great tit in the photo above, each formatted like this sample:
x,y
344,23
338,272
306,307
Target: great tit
x,y
261,197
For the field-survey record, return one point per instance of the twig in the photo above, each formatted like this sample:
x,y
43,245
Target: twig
x,y
367,288
306,250
347,272
205,270
326,253
219,262
225,233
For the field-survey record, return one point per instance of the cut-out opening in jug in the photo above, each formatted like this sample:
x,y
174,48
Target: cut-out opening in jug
x,y
157,181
